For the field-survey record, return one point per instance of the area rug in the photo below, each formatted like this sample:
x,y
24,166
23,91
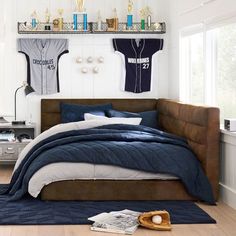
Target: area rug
x,y
29,211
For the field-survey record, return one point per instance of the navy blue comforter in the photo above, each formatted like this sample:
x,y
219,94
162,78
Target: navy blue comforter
x,y
135,147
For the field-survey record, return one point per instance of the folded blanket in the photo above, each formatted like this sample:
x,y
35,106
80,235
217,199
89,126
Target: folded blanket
x,y
128,146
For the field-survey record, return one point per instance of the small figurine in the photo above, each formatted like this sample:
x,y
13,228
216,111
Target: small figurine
x,y
47,16
130,7
80,5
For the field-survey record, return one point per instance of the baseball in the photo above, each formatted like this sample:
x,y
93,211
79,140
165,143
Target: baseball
x,y
157,219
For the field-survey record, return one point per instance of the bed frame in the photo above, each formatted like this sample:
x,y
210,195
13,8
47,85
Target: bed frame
x,y
198,124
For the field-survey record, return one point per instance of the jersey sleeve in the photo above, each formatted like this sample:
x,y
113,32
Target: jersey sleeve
x,y
61,45
157,45
119,45
23,46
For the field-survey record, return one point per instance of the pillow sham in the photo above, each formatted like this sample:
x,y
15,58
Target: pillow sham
x,y
149,118
75,112
120,120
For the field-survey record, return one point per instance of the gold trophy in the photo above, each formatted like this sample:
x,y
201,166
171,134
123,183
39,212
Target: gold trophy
x,y
60,12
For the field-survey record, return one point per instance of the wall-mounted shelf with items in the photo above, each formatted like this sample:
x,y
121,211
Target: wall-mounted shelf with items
x,y
156,28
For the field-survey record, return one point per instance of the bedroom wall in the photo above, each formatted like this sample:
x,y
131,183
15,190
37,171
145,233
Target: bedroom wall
x,y
179,20
73,83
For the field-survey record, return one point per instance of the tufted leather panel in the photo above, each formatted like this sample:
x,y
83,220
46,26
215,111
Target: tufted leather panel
x,y
200,126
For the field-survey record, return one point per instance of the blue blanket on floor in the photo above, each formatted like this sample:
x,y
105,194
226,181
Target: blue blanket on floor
x,y
128,146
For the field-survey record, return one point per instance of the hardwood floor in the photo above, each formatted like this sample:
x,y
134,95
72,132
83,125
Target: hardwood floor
x,y
223,214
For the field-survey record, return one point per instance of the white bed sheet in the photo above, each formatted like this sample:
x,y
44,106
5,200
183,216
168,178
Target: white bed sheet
x,y
85,171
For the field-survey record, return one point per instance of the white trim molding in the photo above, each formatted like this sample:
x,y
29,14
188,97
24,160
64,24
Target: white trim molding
x,y
227,168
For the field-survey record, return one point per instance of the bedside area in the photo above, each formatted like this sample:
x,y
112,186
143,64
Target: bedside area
x,y
13,138
228,168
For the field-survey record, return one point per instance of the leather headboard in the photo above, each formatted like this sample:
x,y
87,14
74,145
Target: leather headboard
x,y
50,108
198,124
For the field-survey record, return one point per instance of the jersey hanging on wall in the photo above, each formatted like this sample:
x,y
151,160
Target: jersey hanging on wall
x,y
42,62
138,61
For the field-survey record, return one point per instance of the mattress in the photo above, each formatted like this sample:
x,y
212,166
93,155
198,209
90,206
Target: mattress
x,y
85,171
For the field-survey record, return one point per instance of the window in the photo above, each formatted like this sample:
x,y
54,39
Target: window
x,y
208,68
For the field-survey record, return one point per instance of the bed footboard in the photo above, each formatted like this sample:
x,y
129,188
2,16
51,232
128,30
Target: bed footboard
x,y
201,127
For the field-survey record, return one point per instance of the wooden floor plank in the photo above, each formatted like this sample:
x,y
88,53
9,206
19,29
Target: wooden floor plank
x,y
223,214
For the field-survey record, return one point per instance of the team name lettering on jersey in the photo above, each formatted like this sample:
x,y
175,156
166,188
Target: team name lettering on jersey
x,y
43,62
138,60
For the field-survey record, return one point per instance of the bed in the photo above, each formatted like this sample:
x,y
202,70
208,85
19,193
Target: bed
x,y
198,125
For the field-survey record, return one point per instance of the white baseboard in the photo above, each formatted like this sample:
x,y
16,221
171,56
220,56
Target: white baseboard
x,y
228,195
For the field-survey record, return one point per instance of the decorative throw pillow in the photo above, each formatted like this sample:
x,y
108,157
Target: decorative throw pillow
x,y
149,118
74,112
116,120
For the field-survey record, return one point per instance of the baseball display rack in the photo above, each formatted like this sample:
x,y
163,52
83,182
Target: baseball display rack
x,y
92,28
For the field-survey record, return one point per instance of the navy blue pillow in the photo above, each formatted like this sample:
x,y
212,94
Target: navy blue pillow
x,y
74,112
149,118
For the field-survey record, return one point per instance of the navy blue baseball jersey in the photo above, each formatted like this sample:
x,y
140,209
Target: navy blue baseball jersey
x,y
138,61
42,60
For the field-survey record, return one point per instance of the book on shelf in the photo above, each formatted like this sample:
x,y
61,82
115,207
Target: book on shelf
x,y
120,222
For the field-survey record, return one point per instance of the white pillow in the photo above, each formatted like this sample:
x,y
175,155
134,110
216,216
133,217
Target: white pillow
x,y
115,120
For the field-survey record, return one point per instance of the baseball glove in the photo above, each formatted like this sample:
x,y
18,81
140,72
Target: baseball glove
x,y
145,220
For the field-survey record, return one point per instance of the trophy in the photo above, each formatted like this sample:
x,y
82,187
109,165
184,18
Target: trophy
x,y
60,12
34,20
80,11
130,16
116,21
47,20
144,13
99,21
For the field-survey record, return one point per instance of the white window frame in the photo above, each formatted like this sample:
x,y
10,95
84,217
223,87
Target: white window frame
x,y
210,58
185,63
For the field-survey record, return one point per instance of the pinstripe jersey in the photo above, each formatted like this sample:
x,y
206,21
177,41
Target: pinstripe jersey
x,y
42,62
138,61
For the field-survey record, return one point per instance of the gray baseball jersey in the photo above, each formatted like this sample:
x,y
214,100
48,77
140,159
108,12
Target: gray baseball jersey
x,y
42,57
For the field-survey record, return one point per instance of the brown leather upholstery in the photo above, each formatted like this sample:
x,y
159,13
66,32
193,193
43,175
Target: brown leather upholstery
x,y
115,190
198,124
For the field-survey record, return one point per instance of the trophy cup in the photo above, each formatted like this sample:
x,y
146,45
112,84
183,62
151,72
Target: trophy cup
x,y
130,16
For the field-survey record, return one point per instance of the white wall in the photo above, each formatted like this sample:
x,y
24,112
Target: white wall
x,y
179,20
72,82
